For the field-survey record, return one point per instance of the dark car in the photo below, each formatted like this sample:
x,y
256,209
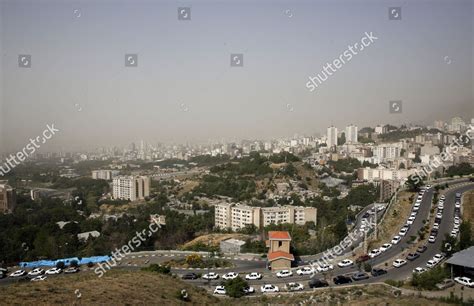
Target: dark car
x,y
378,272
190,276
412,256
362,258
421,249
366,215
317,283
342,279
360,276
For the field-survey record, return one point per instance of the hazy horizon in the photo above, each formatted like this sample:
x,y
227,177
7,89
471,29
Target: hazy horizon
x,y
184,89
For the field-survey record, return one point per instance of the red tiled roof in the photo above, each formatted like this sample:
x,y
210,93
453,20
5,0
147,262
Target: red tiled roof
x,y
279,235
280,254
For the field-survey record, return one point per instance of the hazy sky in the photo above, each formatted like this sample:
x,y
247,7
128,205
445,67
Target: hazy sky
x,y
184,88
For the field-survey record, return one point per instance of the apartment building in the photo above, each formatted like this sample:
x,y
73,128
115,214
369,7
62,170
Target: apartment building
x,y
102,175
7,198
238,216
377,174
131,187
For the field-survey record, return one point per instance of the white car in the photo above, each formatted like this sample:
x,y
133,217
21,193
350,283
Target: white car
x,y
465,281
435,225
210,275
410,220
457,205
385,247
18,273
249,289
403,231
456,226
419,270
345,263
396,239
253,276
324,268
432,239
457,220
439,215
374,253
54,271
440,205
220,290
230,275
284,273
438,257
431,263
305,271
39,278
36,272
454,233
269,288
294,287
399,262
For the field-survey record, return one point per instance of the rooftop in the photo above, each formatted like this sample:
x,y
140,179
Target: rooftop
x,y
279,254
279,235
464,258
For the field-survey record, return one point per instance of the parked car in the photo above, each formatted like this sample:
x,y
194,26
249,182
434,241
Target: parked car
x,y
294,287
53,271
385,247
185,276
412,256
431,263
253,276
419,270
18,273
269,288
220,290
324,267
36,272
403,231
317,283
397,263
39,278
345,263
342,279
248,290
378,272
284,273
72,270
465,281
305,271
421,248
396,239
374,253
230,275
439,257
210,275
360,276
445,284
362,258
432,239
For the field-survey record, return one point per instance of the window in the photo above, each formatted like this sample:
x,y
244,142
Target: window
x,y
280,244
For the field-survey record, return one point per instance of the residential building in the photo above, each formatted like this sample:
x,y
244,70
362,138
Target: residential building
x,y
387,188
238,216
102,174
377,174
351,134
231,246
131,187
381,129
279,256
7,198
331,137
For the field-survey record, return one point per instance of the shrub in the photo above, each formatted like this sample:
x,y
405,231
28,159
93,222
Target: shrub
x,y
157,269
235,287
60,265
74,263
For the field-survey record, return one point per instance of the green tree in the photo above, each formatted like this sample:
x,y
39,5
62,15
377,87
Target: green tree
x,y
465,235
235,287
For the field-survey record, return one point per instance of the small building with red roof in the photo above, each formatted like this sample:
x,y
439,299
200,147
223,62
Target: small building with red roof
x,y
279,256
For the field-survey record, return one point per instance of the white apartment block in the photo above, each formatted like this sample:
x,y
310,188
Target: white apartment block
x,y
131,187
102,174
388,151
351,134
377,174
331,137
237,216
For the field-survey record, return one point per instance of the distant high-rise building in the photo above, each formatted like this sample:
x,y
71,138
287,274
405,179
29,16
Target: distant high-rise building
x,y
381,129
131,187
7,198
331,137
439,124
351,134
102,174
457,125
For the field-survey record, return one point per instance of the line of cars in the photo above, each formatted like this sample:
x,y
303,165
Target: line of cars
x,y
37,274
